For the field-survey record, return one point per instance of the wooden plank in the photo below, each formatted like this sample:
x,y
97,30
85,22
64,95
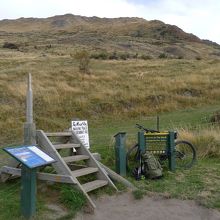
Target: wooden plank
x,y
60,166
12,163
11,170
41,176
66,146
92,162
118,178
84,171
56,178
45,144
75,158
58,134
94,185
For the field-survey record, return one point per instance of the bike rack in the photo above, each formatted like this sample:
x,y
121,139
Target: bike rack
x,y
162,142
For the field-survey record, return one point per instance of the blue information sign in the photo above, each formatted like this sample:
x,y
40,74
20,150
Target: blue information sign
x,y
30,156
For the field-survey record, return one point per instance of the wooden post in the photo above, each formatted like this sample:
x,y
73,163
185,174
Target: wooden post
x,y
29,126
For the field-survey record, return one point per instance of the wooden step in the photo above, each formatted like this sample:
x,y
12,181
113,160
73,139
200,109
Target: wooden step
x,y
75,158
59,134
94,185
66,146
84,171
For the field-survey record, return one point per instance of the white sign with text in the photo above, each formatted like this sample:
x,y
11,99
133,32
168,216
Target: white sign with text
x,y
80,128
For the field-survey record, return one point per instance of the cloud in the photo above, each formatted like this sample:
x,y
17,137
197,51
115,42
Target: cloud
x,y
45,8
198,17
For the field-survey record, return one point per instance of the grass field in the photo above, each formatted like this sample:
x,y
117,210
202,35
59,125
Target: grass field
x,y
115,89
115,96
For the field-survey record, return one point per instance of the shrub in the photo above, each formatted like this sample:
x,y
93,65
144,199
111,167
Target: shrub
x,y
102,56
10,45
83,58
198,58
123,56
215,118
162,56
113,56
145,57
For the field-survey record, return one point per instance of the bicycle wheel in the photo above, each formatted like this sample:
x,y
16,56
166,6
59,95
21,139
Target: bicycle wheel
x,y
132,157
185,154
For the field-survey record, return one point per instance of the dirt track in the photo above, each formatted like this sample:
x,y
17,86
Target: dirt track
x,y
125,207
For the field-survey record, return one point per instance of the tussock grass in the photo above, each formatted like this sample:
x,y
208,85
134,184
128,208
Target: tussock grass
x,y
206,140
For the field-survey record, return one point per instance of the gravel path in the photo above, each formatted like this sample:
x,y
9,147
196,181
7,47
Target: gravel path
x,y
125,207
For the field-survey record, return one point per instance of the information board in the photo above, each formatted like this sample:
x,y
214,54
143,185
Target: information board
x,y
30,156
80,128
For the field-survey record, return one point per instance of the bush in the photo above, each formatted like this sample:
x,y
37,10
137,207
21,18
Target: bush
x,y
145,57
215,118
198,58
10,45
102,56
124,56
162,56
83,58
113,56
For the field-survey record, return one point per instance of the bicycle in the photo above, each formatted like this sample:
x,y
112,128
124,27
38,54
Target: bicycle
x,y
185,153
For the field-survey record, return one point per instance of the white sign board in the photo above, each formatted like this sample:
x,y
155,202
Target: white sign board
x,y
80,128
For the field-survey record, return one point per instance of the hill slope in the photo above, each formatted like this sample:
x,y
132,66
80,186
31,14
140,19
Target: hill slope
x,y
123,35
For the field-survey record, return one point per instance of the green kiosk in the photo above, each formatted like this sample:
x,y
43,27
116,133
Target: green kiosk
x,y
31,157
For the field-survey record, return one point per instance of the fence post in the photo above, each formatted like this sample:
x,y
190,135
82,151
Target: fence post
x,y
171,151
120,153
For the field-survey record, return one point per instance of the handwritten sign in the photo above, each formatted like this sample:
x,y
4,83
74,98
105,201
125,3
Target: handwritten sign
x,y
80,128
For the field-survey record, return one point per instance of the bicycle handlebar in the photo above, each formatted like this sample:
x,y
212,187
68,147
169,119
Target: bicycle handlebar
x,y
146,129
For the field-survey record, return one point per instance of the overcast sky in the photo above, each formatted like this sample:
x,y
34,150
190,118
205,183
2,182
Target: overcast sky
x,y
200,17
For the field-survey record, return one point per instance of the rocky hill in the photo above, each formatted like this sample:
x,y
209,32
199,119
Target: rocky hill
x,y
133,36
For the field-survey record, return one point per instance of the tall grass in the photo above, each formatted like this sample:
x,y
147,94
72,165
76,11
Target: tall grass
x,y
205,140
116,89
